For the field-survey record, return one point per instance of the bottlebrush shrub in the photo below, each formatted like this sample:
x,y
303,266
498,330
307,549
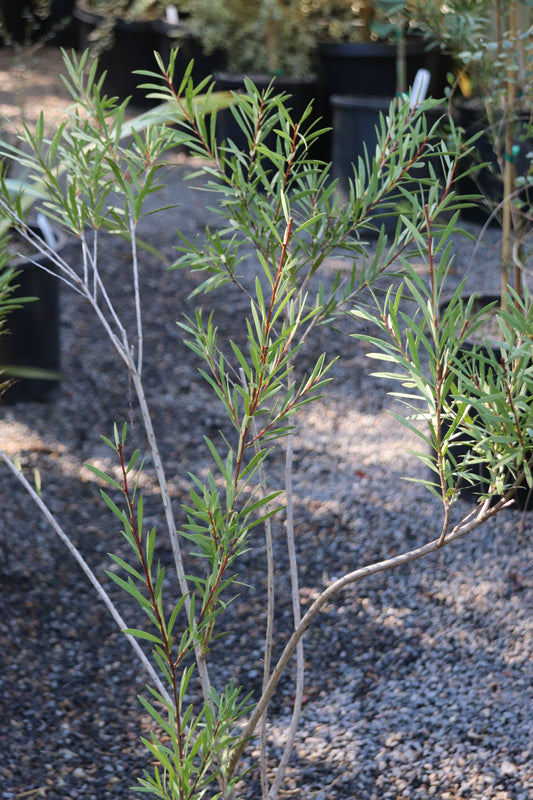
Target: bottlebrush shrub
x,y
275,201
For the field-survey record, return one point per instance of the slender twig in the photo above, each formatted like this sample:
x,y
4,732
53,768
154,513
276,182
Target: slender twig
x,y
297,616
169,516
137,292
464,527
102,594
269,629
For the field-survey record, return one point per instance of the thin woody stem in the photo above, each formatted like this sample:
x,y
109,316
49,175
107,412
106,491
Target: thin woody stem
x,y
466,525
101,592
171,525
257,391
297,616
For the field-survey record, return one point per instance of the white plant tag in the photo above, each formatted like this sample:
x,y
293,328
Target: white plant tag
x,y
46,230
420,86
172,15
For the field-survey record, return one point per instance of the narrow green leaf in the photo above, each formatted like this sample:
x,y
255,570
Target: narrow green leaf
x,y
150,637
103,476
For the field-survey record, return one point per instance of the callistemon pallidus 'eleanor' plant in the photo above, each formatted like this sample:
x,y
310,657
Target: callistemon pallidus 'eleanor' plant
x,y
280,219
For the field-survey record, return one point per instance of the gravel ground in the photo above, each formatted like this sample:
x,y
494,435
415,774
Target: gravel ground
x,y
419,681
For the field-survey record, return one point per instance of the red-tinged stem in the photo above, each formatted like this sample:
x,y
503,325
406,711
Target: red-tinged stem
x,y
257,391
153,600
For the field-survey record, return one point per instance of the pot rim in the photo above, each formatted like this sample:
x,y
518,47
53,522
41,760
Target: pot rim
x,y
339,49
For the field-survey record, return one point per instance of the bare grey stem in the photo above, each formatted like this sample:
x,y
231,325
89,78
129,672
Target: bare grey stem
x,y
296,611
135,266
101,592
169,516
461,529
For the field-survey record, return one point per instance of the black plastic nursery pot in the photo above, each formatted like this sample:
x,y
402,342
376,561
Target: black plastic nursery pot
x,y
63,24
523,498
369,69
356,120
21,26
132,49
32,340
15,26
363,68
